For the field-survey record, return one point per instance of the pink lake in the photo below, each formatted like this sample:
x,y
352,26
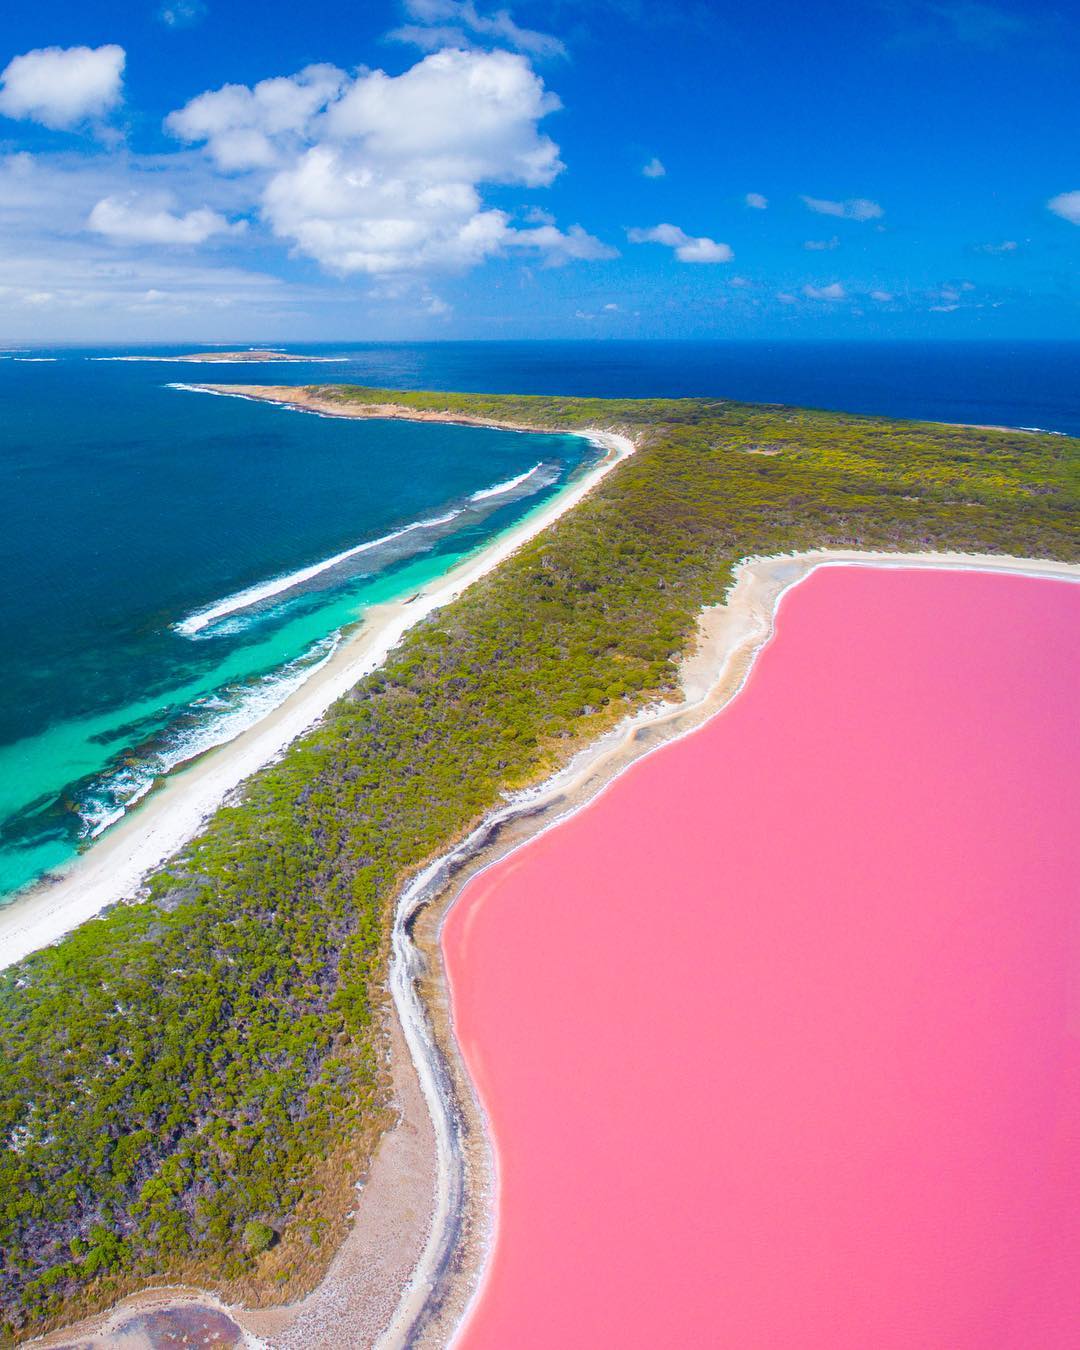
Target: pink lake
x,y
779,1038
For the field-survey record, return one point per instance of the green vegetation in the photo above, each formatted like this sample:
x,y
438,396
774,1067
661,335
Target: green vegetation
x,y
174,1075
257,1237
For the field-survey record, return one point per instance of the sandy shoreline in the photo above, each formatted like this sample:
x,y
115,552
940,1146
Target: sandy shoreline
x,y
701,1013
296,396
434,1177
114,867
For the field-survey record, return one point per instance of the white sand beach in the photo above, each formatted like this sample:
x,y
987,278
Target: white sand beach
x,y
113,868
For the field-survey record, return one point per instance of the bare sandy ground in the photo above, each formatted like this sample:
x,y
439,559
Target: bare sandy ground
x,y
293,396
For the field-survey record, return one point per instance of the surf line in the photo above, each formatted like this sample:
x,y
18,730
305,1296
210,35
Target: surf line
x,y
196,622
253,595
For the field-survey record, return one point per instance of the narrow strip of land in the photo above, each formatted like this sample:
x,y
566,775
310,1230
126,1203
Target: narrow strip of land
x,y
114,867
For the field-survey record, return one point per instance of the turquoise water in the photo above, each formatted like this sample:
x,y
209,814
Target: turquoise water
x,y
127,507
173,564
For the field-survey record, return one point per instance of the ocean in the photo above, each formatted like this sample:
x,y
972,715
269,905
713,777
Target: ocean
x,y
173,564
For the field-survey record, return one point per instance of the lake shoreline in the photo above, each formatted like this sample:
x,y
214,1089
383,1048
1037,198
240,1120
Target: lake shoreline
x,y
449,1188
730,638
665,987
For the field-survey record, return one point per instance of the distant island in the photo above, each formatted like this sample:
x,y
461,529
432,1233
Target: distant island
x,y
254,356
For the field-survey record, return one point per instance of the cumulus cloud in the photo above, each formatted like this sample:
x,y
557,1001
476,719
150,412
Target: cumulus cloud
x,y
822,245
557,246
757,201
834,291
882,297
687,248
62,86
455,116
382,174
458,23
256,128
148,220
1066,205
1006,246
654,168
854,208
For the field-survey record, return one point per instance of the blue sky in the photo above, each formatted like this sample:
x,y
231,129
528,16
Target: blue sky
x,y
616,168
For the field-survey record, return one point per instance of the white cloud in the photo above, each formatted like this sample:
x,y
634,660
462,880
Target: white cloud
x,y
855,208
882,297
611,307
86,286
1006,246
654,169
255,128
454,116
757,201
458,23
382,174
93,281
834,291
62,86
786,298
1066,205
557,246
743,283
687,248
182,13
148,220
822,245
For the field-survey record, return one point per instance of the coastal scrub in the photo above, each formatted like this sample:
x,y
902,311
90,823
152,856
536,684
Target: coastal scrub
x,y
175,1074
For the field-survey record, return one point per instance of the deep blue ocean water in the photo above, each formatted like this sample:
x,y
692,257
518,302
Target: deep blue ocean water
x,y
140,524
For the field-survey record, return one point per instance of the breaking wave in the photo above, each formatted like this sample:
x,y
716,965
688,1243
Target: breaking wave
x,y
254,595
499,488
204,724
213,615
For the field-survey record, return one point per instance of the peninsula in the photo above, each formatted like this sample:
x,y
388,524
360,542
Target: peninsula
x,y
193,1083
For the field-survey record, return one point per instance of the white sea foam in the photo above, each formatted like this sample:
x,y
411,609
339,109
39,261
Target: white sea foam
x,y
265,590
499,488
230,714
178,384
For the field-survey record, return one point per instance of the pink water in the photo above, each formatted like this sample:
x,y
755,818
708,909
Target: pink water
x,y
779,1038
